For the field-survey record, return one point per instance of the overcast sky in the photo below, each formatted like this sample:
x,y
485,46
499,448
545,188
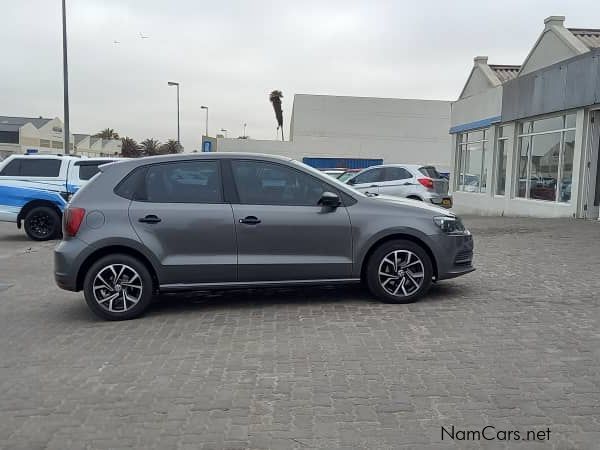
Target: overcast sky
x,y
229,54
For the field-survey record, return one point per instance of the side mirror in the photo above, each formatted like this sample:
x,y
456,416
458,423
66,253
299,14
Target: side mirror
x,y
351,181
330,199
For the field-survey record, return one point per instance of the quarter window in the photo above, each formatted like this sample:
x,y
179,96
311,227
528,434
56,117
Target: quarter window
x,y
182,182
264,183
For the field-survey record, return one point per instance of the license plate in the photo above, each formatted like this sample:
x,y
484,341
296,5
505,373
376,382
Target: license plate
x,y
447,203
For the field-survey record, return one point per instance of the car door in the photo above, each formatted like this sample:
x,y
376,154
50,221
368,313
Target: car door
x,y
397,181
282,232
368,181
180,215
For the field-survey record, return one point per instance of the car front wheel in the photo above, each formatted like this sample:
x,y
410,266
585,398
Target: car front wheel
x,y
42,223
399,271
118,287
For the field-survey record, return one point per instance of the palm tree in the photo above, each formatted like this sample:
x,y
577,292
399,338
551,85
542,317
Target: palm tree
x,y
150,147
170,147
130,148
107,133
275,98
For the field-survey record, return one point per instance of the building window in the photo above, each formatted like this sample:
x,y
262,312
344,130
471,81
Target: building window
x,y
471,171
44,143
545,164
502,147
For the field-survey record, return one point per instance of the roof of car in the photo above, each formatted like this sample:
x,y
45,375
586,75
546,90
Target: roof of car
x,y
207,155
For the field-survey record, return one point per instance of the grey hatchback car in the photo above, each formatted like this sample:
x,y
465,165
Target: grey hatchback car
x,y
193,222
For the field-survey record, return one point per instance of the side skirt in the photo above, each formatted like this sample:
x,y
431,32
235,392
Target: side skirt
x,y
252,284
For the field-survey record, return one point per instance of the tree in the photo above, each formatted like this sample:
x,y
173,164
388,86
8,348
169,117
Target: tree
x,y
107,133
130,148
150,147
275,98
170,147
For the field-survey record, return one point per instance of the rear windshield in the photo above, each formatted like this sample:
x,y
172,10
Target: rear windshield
x,y
429,171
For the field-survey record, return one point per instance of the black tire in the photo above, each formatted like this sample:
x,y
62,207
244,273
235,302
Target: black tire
x,y
404,248
42,223
117,312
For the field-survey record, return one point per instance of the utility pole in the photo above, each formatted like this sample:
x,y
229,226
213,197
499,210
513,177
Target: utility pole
x,y
65,81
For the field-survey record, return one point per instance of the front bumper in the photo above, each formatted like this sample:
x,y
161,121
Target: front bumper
x,y
454,255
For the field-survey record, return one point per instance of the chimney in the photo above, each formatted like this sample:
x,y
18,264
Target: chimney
x,y
480,60
556,21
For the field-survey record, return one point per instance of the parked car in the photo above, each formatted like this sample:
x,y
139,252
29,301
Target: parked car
x,y
348,174
147,226
412,181
34,190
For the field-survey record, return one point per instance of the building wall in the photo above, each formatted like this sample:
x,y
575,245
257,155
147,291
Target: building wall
x,y
550,49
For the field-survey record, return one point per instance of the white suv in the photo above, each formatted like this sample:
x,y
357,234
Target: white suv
x,y
414,181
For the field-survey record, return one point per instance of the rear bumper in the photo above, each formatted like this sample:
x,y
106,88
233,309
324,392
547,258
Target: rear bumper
x,y
68,257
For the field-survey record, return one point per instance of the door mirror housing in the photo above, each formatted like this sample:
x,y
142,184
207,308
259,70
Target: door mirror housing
x,y
330,199
351,181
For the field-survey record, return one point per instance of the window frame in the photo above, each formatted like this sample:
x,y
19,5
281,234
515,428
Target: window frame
x,y
231,187
462,144
501,137
530,135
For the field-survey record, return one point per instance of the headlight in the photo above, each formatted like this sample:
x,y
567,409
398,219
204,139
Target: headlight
x,y
450,224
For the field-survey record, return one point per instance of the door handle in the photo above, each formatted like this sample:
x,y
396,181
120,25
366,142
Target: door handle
x,y
150,218
250,220
407,184
374,185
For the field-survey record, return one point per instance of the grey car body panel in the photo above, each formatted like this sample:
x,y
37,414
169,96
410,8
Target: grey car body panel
x,y
205,245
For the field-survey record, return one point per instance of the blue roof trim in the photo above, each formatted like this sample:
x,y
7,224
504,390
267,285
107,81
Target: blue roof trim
x,y
474,125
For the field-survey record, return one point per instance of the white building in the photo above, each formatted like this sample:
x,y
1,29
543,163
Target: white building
x,y
525,137
334,131
43,135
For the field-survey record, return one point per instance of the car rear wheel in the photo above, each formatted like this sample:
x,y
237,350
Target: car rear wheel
x,y
118,287
42,223
399,271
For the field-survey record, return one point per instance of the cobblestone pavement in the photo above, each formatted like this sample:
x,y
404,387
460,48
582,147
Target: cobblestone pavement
x,y
515,345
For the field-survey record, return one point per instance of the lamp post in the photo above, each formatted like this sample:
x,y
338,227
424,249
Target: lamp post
x,y
225,131
245,130
206,108
173,83
65,80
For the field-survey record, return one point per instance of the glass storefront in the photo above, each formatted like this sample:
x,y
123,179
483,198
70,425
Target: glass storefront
x,y
471,173
544,169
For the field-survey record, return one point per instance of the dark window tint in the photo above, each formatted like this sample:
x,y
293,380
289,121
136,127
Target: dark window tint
x,y
430,172
183,182
263,183
87,171
12,169
396,173
370,176
40,167
133,186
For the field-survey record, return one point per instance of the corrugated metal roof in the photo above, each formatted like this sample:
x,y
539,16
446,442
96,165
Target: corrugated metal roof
x,y
14,123
589,36
505,72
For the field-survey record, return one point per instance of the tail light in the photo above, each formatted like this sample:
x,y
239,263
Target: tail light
x,y
427,182
73,219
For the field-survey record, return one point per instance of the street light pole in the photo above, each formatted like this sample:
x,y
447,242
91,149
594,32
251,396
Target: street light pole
x,y
65,80
172,83
245,130
206,108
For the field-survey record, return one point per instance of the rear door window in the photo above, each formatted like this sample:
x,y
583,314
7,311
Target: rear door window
x,y
182,182
430,171
370,176
40,167
396,173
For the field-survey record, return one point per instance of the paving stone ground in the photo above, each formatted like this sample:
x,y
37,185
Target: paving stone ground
x,y
514,346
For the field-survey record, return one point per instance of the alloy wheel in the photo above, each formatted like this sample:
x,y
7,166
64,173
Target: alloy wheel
x,y
40,224
117,288
401,273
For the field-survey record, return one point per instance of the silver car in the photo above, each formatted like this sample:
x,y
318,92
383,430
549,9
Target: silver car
x,y
224,220
414,181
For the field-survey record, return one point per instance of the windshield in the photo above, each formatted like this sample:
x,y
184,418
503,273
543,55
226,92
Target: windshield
x,y
331,180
